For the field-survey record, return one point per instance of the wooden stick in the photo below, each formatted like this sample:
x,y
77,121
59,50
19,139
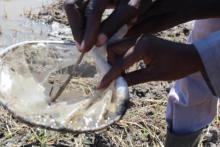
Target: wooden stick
x,y
60,91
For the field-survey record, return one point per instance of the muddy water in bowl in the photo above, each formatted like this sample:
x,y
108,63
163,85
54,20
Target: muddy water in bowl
x,y
32,71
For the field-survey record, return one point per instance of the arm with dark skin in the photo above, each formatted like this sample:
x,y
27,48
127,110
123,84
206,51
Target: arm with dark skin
x,y
165,14
147,17
165,60
85,18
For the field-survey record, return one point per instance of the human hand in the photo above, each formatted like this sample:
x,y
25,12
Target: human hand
x,y
165,60
146,16
165,14
85,19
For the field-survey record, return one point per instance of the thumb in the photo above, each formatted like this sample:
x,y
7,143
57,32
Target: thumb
x,y
119,67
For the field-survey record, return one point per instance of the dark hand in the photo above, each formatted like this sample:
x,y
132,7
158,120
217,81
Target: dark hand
x,y
85,18
165,14
165,60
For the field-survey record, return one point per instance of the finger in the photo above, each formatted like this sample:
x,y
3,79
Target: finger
x,y
140,76
150,25
123,14
121,17
94,13
75,14
121,65
118,49
112,4
157,23
132,55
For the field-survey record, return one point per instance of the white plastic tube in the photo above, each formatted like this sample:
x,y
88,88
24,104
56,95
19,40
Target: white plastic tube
x,y
122,91
99,53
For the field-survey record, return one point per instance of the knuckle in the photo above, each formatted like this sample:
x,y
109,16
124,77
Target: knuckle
x,y
110,49
69,3
77,4
119,65
95,7
147,42
134,3
146,45
111,56
140,5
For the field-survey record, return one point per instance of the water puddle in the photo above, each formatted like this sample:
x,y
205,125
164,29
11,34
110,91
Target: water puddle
x,y
15,27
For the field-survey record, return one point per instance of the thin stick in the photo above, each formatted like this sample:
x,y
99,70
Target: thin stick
x,y
60,91
217,116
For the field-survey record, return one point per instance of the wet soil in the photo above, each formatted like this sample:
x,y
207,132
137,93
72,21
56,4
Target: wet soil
x,y
14,24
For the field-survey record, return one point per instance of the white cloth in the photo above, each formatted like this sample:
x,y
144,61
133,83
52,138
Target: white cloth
x,y
209,50
191,104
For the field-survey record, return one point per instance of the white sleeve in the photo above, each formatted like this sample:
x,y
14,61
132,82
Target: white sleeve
x,y
209,50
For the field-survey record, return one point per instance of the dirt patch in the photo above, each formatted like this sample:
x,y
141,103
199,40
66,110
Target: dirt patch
x,y
53,12
143,124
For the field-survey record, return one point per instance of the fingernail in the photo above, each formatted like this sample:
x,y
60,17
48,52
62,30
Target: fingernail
x,y
100,86
102,38
77,45
82,46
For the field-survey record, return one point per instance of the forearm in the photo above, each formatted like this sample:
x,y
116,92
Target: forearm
x,y
207,9
165,14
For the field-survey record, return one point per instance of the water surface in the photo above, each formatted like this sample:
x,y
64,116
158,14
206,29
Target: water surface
x,y
14,25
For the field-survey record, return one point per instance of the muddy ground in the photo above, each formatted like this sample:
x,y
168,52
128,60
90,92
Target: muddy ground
x,y
143,124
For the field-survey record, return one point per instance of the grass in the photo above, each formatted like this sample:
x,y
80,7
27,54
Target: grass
x,y
139,127
143,124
